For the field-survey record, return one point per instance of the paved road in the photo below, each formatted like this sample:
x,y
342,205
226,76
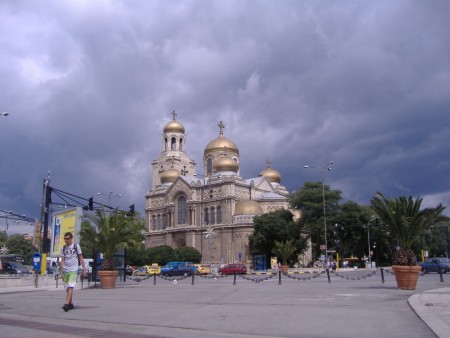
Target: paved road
x,y
351,306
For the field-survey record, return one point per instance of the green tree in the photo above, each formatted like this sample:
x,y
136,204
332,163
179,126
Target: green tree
x,y
279,226
309,200
284,250
160,254
137,256
188,254
20,246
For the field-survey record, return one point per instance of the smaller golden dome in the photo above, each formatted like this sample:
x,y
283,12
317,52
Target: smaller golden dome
x,y
221,143
225,163
247,207
170,176
271,174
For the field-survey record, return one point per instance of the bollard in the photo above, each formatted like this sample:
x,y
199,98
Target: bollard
x,y
154,279
440,273
279,277
328,274
234,282
192,279
382,275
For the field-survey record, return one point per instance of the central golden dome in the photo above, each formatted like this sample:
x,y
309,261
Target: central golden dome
x,y
247,207
225,163
221,143
170,176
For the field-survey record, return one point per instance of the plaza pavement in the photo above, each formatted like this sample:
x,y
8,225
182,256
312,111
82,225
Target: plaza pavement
x,y
354,304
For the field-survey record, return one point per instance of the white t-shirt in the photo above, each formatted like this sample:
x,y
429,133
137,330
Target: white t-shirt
x,y
70,257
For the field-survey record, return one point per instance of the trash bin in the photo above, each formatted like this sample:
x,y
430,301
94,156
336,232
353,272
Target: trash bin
x,y
368,265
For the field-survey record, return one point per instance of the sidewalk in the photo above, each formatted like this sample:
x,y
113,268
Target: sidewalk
x,y
207,309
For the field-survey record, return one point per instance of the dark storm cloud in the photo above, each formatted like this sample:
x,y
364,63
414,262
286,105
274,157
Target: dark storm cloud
x,y
90,85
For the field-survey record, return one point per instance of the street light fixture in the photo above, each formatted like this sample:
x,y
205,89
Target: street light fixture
x,y
322,169
110,195
4,113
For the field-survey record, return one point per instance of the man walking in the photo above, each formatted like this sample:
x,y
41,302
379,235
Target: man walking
x,y
72,257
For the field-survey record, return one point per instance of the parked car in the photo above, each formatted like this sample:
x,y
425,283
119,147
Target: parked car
x,y
203,269
52,270
181,270
233,269
153,269
141,271
435,265
14,268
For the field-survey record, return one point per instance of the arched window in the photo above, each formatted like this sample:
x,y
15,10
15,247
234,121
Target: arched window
x,y
158,222
206,216
181,144
219,215
154,222
212,215
165,143
164,221
173,143
209,166
182,211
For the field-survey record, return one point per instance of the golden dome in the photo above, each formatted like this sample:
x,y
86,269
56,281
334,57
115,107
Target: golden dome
x,y
174,126
271,174
221,143
247,207
225,163
170,176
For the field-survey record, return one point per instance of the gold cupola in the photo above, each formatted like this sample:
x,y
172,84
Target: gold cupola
x,y
271,174
225,163
170,176
247,207
174,126
221,143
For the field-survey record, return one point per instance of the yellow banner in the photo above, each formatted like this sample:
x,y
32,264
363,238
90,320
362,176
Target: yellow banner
x,y
64,221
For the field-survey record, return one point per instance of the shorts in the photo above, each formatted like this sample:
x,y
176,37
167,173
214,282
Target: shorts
x,y
70,279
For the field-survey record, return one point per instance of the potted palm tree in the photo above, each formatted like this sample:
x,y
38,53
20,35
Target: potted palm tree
x,y
405,222
284,251
107,234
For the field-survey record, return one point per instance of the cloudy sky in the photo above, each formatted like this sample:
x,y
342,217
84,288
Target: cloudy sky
x,y
89,86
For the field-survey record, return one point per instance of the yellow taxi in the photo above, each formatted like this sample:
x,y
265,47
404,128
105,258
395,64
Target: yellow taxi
x,y
203,269
153,269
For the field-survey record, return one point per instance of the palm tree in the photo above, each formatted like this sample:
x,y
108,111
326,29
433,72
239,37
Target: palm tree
x,y
284,250
109,233
406,222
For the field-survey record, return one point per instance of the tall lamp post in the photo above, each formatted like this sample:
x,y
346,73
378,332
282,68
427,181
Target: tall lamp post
x,y
322,169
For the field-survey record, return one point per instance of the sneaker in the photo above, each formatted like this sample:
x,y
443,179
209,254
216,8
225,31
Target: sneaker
x,y
71,307
66,307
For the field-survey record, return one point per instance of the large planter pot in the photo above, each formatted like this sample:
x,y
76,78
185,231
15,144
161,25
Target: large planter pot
x,y
284,268
108,278
406,276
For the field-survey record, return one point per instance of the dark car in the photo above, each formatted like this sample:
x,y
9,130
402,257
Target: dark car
x,y
181,270
233,269
15,268
436,265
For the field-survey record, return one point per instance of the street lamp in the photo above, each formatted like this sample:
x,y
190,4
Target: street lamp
x,y
322,169
4,113
368,236
110,196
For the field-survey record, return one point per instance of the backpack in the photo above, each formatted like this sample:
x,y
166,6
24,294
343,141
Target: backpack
x,y
75,247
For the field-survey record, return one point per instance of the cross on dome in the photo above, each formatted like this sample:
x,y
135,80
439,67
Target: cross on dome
x,y
174,115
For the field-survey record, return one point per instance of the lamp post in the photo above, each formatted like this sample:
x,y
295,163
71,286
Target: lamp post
x,y
368,237
322,169
110,196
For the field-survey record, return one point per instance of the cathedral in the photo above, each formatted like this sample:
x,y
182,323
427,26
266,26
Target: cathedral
x,y
212,211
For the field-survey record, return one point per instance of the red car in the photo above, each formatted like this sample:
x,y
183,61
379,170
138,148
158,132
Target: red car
x,y
232,269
